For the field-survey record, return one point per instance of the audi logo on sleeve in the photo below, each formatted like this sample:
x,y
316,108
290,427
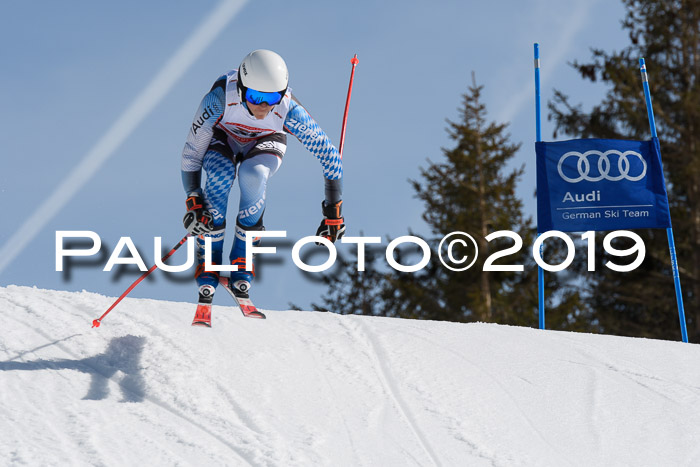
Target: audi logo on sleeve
x,y
626,168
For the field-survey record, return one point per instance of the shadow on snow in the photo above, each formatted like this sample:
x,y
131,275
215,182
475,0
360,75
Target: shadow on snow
x,y
123,355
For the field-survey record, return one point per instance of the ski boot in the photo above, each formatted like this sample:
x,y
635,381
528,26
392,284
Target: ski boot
x,y
241,279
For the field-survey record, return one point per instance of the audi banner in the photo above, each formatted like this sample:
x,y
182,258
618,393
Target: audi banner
x,y
600,184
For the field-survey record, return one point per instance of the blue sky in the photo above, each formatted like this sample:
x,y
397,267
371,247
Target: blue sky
x,y
73,69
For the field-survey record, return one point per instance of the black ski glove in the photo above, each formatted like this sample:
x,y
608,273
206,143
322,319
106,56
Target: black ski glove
x,y
332,226
198,219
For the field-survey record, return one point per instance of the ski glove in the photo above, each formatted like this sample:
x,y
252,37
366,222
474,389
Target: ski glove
x,y
332,226
198,219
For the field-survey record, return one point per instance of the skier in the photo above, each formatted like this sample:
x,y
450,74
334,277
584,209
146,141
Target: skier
x,y
240,131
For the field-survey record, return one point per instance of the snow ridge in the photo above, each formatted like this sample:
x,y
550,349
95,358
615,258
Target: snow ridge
x,y
314,388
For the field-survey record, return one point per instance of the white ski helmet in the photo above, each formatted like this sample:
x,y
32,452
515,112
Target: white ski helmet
x,y
262,70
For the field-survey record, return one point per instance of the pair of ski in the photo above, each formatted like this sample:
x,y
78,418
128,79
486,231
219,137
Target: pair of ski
x,y
202,316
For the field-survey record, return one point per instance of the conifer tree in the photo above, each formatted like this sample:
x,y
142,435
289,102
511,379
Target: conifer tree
x,y
471,189
667,34
469,192
354,292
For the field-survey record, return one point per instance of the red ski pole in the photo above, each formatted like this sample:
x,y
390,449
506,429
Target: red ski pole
x,y
354,62
96,322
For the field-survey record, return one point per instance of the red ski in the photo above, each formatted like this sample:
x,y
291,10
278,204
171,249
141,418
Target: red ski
x,y
202,317
242,300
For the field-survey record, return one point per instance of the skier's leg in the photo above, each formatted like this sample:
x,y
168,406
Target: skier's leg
x,y
253,174
221,172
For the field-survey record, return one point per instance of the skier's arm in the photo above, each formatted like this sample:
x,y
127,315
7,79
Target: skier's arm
x,y
210,110
302,125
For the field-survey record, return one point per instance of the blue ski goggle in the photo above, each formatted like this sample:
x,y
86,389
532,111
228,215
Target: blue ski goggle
x,y
258,97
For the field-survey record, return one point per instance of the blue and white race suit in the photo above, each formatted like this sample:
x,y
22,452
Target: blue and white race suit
x,y
228,142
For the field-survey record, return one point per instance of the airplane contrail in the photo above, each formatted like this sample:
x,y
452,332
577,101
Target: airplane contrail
x,y
121,129
553,57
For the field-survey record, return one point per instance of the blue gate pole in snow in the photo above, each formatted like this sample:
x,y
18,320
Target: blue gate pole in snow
x,y
538,125
669,231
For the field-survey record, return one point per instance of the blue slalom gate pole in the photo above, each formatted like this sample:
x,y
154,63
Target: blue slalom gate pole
x,y
538,125
669,230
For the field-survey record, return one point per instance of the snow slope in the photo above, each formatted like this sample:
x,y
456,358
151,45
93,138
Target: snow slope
x,y
308,388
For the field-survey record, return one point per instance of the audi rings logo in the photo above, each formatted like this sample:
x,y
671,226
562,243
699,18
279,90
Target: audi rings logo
x,y
624,166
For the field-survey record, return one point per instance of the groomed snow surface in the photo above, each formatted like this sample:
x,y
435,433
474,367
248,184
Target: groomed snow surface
x,y
314,388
